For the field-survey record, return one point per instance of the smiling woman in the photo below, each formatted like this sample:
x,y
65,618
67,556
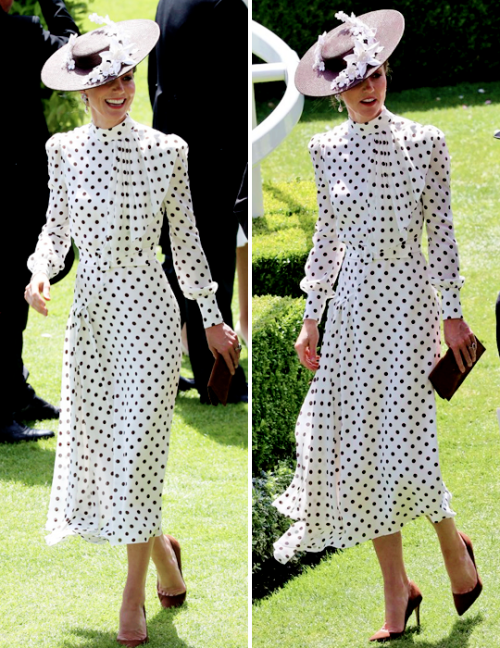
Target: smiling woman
x,y
112,183
110,103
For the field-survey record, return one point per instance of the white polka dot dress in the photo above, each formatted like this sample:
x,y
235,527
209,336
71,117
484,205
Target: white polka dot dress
x,y
367,454
110,190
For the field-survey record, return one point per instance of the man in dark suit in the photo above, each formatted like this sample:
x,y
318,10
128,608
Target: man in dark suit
x,y
24,48
199,90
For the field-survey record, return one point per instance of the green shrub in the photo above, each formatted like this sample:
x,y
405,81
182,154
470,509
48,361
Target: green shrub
x,y
280,383
444,43
267,523
267,526
283,237
63,110
279,274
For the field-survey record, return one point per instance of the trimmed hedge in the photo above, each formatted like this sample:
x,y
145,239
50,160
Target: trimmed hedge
x,y
279,274
444,43
279,383
283,237
267,523
267,526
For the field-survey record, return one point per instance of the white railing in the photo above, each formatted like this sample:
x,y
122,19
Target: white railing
x,y
280,64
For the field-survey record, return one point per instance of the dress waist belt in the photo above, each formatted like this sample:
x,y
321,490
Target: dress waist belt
x,y
404,251
364,255
105,261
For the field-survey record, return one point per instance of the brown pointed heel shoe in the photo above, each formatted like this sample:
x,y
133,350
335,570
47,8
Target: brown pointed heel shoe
x,y
464,601
133,643
177,600
414,601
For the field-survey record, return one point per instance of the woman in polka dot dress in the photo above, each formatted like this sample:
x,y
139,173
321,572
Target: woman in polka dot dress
x,y
112,183
367,454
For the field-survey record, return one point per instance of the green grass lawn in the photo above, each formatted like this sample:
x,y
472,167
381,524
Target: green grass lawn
x,y
339,604
68,596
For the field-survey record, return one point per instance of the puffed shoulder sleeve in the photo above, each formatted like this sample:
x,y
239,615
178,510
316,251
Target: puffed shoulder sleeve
x,y
325,259
191,266
442,245
54,240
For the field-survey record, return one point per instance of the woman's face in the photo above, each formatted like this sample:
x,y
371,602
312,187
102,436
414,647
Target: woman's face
x,y
110,102
365,101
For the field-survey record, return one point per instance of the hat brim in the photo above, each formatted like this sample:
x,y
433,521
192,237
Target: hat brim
x,y
390,26
56,75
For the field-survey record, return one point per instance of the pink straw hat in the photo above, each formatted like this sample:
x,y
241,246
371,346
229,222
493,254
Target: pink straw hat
x,y
347,55
101,55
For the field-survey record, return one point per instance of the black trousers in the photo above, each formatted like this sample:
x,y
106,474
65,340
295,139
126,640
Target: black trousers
x,y
15,392
25,196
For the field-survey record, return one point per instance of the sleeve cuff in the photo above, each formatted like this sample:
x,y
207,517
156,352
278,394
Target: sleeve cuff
x,y
210,312
315,306
450,304
39,266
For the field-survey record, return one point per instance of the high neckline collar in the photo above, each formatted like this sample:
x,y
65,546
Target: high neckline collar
x,y
376,125
118,132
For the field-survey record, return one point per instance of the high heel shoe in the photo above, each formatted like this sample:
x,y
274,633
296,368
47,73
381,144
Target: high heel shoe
x,y
178,599
464,601
133,643
414,600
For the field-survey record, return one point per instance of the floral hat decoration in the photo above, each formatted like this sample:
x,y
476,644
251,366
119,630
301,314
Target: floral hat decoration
x,y
347,55
101,55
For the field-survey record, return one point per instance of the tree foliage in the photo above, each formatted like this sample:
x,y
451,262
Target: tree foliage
x,y
444,43
63,110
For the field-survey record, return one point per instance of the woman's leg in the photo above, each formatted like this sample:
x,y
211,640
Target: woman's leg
x,y
389,550
132,621
462,573
169,575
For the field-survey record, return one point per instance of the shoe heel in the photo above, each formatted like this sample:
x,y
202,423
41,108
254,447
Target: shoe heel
x,y
417,614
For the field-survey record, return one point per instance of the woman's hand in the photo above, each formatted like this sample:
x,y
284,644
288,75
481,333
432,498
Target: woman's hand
x,y
460,339
222,339
38,287
307,343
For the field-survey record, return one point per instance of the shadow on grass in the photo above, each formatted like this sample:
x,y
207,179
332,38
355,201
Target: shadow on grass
x,y
225,425
161,632
293,207
272,575
30,462
419,99
459,636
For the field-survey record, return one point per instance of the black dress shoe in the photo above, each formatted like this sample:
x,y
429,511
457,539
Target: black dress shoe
x,y
37,410
239,394
185,384
15,432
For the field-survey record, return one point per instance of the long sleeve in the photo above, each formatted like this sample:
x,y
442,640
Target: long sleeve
x,y
60,26
190,263
54,240
325,258
442,245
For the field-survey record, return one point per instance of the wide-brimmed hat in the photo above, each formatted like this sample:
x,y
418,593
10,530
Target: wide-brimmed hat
x,y
353,51
101,55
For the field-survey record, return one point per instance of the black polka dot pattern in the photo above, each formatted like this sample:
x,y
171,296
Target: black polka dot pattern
x,y
367,454
110,190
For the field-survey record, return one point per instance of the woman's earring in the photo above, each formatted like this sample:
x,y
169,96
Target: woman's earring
x,y
341,105
85,100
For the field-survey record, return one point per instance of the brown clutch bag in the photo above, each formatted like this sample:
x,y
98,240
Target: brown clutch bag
x,y
219,382
446,377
